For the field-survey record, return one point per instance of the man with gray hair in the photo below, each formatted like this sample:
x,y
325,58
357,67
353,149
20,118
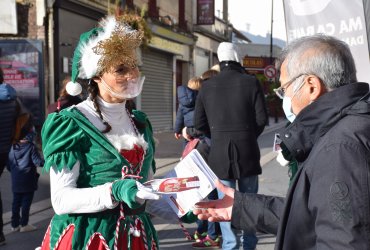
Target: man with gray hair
x,y
328,203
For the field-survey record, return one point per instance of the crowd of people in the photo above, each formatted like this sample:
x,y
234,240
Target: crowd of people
x,y
327,204
99,151
229,111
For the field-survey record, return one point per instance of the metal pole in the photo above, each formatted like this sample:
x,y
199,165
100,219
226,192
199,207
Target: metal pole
x,y
272,22
50,34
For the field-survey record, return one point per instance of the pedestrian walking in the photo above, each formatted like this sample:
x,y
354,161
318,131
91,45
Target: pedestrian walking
x,y
327,205
186,96
64,100
23,160
190,132
207,234
99,153
231,108
8,107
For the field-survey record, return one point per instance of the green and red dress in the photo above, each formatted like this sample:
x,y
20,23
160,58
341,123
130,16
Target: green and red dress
x,y
69,137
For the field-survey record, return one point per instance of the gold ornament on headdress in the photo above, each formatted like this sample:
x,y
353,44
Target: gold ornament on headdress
x,y
137,22
119,48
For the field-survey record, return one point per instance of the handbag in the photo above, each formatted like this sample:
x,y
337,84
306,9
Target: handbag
x,y
189,147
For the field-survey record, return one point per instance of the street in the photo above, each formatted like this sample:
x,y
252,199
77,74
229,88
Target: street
x,y
273,181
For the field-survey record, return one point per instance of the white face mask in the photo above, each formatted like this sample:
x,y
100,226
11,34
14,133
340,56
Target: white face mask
x,y
287,107
287,104
133,89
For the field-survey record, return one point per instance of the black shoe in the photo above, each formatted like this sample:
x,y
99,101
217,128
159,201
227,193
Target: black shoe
x,y
2,239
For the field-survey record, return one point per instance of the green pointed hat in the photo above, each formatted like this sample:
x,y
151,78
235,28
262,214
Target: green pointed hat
x,y
113,43
73,87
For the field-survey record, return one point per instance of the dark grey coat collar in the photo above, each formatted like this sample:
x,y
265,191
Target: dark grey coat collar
x,y
317,118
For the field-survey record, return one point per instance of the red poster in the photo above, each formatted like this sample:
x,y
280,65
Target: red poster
x,y
19,75
21,62
205,12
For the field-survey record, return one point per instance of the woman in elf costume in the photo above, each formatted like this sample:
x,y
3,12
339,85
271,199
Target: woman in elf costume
x,y
98,153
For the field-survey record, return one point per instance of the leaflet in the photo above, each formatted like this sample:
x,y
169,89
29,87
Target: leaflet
x,y
173,185
196,181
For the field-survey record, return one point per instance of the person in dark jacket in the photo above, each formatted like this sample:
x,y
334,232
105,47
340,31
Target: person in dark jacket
x,y
8,107
207,234
328,203
65,100
23,160
190,132
231,108
185,112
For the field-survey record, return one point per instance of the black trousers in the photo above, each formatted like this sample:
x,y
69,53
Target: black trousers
x,y
3,160
21,203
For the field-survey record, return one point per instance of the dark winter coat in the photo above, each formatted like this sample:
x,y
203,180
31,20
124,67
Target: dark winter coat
x,y
22,163
231,109
328,203
8,114
185,112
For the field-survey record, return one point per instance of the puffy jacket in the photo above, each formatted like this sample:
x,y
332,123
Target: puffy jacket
x,y
328,203
8,115
185,112
22,162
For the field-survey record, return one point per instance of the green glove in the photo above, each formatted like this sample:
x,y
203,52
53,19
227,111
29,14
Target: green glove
x,y
189,217
132,192
125,190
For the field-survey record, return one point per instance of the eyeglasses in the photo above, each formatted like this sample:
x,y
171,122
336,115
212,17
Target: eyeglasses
x,y
280,92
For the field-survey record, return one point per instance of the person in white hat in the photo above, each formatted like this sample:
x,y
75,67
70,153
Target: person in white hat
x,y
231,109
98,153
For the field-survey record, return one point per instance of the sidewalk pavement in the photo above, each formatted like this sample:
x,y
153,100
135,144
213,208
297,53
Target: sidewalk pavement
x,y
168,153
168,149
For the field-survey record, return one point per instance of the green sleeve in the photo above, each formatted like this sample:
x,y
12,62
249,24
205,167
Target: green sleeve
x,y
63,141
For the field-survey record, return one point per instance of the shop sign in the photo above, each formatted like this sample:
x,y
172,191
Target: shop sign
x,y
205,12
253,62
169,46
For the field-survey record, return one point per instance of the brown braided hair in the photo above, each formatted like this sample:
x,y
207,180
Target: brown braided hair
x,y
93,90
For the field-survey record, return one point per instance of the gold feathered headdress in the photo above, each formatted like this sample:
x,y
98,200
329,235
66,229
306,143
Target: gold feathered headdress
x,y
111,44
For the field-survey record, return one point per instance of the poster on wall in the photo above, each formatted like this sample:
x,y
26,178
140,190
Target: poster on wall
x,y
21,63
332,17
205,12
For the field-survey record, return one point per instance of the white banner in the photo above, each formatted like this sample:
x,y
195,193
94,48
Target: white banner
x,y
8,17
340,18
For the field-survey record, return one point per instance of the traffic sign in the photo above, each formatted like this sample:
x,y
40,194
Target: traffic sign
x,y
270,71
